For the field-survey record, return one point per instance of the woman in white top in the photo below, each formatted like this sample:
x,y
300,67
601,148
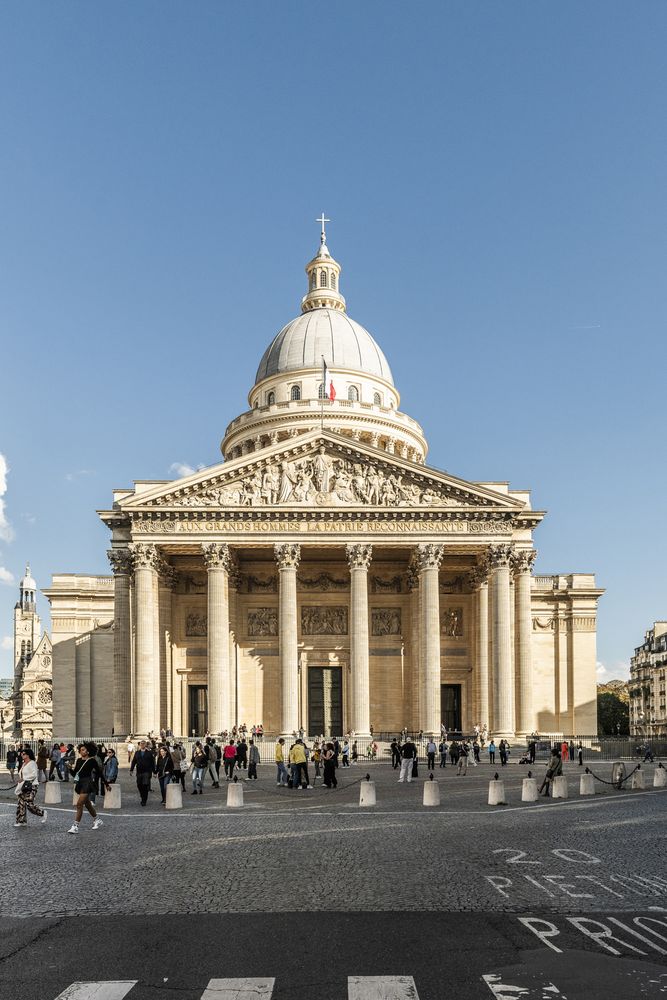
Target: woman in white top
x,y
26,789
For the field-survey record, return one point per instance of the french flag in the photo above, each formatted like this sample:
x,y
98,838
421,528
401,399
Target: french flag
x,y
326,381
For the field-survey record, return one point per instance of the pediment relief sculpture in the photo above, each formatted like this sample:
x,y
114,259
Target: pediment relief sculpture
x,y
323,480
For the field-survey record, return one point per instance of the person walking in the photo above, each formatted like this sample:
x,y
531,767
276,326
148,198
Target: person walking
x,y
198,767
281,775
395,753
26,789
355,752
180,762
408,756
143,761
229,759
442,750
464,750
453,753
330,765
300,776
86,773
492,752
55,756
345,753
502,747
42,760
12,760
580,754
532,750
317,759
164,768
430,754
242,754
253,760
211,760
475,753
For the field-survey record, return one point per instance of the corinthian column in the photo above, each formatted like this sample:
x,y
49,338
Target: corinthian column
x,y
500,557
359,559
217,559
430,557
288,557
146,665
416,688
522,565
166,584
482,645
121,564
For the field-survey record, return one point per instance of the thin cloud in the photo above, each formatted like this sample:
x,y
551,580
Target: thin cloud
x,y
79,474
6,533
182,469
7,642
6,576
587,326
28,518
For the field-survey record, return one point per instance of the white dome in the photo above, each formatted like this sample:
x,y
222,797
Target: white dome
x,y
327,333
27,582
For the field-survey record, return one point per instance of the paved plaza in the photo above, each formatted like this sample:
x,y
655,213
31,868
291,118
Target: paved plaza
x,y
303,894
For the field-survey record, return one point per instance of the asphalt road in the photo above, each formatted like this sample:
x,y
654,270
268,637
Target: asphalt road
x,y
549,899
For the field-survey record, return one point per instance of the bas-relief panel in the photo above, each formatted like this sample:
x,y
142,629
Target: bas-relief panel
x,y
323,620
451,622
196,624
263,622
385,621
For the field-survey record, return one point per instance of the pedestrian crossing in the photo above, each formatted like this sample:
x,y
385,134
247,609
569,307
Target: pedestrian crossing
x,y
358,988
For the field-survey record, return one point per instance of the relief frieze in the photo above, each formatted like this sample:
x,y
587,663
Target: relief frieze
x,y
451,623
323,583
385,621
324,621
263,622
196,624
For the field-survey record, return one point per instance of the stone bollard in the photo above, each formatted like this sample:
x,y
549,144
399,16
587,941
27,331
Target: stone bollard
x,y
559,787
497,792
637,779
660,777
112,797
174,795
52,793
431,792
234,795
529,791
587,784
367,792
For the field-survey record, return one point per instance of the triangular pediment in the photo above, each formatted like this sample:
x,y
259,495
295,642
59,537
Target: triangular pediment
x,y
319,470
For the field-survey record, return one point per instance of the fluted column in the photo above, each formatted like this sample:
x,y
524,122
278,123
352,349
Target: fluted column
x,y
288,557
359,559
500,557
523,625
121,565
145,560
217,559
430,557
482,645
233,582
166,583
416,687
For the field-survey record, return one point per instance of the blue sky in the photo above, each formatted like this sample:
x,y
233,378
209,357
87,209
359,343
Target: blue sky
x,y
495,175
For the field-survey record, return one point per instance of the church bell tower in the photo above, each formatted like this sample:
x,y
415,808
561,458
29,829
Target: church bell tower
x,y
27,627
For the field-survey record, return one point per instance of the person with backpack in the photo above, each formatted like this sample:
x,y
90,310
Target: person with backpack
x,y
87,773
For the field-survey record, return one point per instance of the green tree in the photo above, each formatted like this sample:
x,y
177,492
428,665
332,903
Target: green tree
x,y
613,715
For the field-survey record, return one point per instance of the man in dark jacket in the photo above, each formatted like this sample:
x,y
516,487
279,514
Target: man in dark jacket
x,y
408,755
395,754
144,763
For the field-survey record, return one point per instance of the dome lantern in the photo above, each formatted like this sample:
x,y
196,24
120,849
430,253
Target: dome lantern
x,y
323,278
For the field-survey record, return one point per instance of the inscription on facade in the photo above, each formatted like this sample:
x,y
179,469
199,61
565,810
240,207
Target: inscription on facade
x,y
268,527
385,621
324,621
263,621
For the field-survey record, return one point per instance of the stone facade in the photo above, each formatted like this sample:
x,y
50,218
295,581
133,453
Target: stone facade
x,y
648,681
27,712
323,576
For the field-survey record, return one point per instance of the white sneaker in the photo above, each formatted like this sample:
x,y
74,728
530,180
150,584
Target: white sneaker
x,y
44,817
20,824
98,823
74,828
309,786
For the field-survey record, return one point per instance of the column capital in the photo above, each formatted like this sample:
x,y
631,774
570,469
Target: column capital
x,y
121,561
144,555
217,555
500,556
429,556
359,556
523,559
287,556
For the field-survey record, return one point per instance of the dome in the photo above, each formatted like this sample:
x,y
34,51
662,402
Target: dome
x,y
27,582
327,333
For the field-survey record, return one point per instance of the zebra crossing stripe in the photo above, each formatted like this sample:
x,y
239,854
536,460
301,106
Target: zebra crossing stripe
x,y
381,988
239,989
98,991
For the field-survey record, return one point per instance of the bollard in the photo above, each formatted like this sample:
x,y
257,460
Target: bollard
x,y
52,793
559,787
431,792
367,792
529,791
234,795
660,777
112,797
587,784
618,774
637,779
174,795
497,792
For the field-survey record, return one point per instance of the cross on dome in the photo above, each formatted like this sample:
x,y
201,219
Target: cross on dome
x,y
323,235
